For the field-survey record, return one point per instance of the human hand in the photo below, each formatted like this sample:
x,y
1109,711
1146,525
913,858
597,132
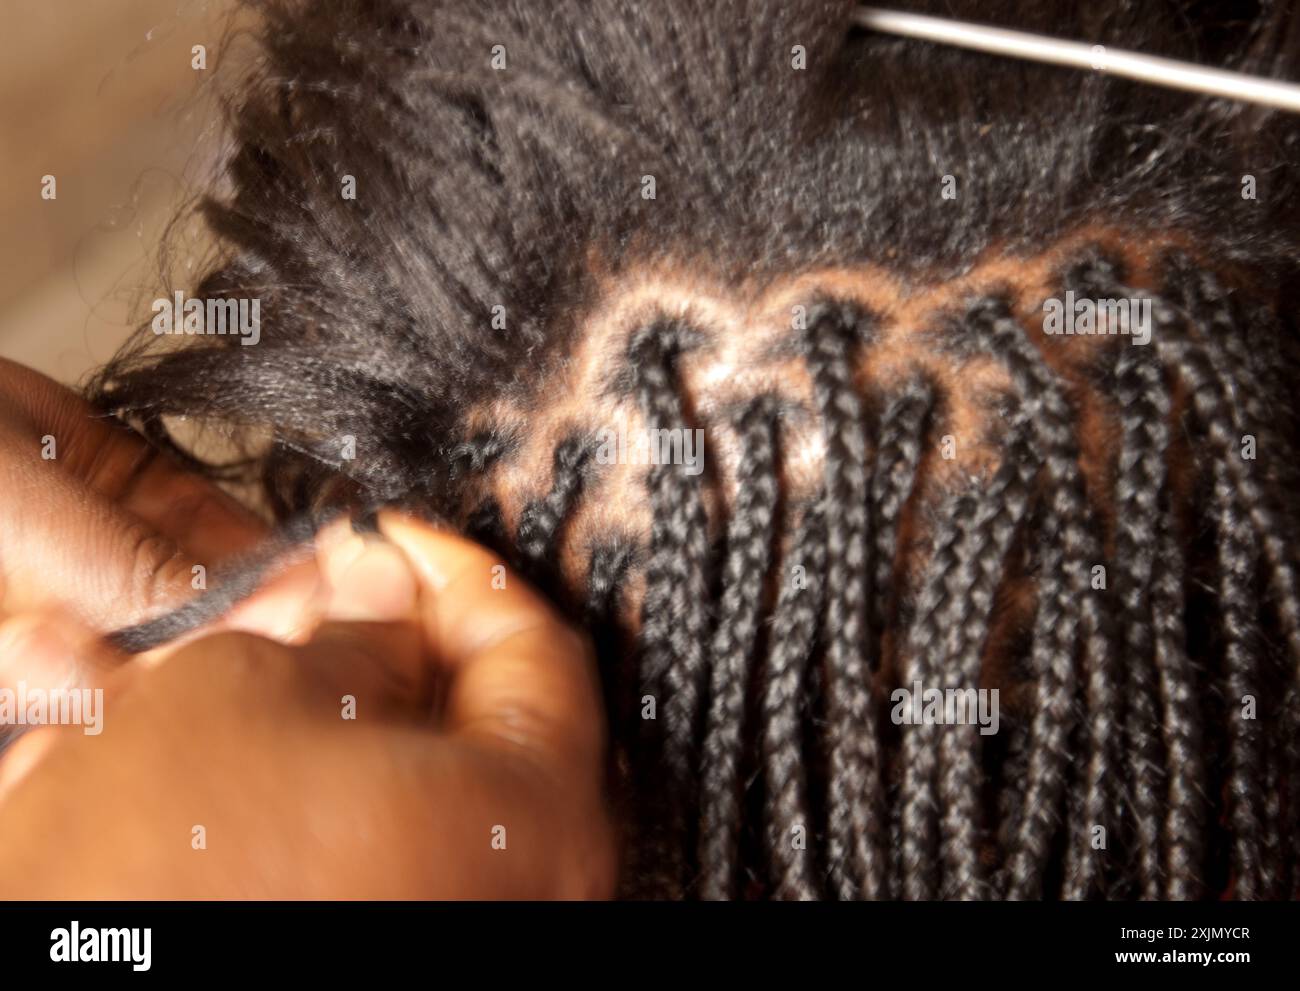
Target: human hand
x,y
473,767
107,528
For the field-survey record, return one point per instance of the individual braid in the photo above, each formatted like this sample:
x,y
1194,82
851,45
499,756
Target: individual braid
x,y
1008,782
1236,556
916,839
965,623
1069,616
1140,498
606,571
1273,843
608,567
467,465
792,640
675,610
487,525
1182,723
541,521
855,804
474,456
899,450
898,456
750,537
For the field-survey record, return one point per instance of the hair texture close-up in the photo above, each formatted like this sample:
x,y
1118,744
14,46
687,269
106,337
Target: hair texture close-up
x,y
730,217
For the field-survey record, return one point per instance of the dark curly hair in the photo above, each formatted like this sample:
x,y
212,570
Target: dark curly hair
x,y
565,212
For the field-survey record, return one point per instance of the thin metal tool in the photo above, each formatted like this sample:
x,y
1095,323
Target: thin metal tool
x,y
1116,61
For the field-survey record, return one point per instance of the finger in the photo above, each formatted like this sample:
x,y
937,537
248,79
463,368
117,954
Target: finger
x,y
20,755
55,676
291,605
180,505
286,607
351,611
521,677
293,598
61,545
368,646
51,651
119,466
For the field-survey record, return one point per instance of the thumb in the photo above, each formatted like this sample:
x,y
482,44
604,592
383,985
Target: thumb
x,y
368,644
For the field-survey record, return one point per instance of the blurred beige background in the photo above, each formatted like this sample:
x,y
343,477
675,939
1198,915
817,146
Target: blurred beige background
x,y
102,95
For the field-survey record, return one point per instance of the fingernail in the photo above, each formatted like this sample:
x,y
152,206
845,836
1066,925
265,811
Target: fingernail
x,y
289,606
435,550
376,585
337,555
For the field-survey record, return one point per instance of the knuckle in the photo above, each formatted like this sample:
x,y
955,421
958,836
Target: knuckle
x,y
156,566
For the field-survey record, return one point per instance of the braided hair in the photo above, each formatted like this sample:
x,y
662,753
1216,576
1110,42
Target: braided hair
x,y
826,253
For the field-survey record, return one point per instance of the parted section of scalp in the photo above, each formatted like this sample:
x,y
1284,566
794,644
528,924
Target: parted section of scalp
x,y
745,344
